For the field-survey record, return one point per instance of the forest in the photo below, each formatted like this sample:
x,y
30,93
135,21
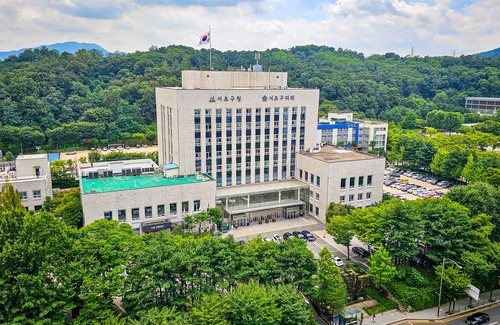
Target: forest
x,y
60,100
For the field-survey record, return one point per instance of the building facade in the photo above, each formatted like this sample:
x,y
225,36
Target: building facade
x,y
142,194
483,105
341,176
31,176
238,127
343,127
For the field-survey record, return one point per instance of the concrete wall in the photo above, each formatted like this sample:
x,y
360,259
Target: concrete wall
x,y
331,174
233,79
95,204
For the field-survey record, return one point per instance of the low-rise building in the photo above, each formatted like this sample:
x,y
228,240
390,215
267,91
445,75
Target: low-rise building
x,y
30,175
343,127
341,176
142,194
483,105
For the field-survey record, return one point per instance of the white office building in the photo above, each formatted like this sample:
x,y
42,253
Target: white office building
x,y
31,176
239,127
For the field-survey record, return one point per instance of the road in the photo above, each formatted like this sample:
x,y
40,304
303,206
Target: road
x,y
493,312
85,153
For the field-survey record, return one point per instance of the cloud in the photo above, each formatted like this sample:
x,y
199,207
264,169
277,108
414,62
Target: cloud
x,y
104,9
187,3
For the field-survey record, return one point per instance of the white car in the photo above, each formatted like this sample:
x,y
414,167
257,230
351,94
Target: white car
x,y
337,260
277,238
267,239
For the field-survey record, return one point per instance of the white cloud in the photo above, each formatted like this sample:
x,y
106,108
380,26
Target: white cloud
x,y
368,26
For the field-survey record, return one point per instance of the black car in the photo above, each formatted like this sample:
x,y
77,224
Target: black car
x,y
478,318
287,235
360,251
308,235
299,235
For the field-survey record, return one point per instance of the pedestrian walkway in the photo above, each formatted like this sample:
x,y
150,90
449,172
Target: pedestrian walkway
x,y
425,316
268,229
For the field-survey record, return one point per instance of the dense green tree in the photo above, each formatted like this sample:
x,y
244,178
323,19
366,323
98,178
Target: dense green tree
x,y
339,225
331,290
380,268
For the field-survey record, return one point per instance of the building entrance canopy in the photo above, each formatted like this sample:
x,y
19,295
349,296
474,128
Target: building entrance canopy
x,y
258,197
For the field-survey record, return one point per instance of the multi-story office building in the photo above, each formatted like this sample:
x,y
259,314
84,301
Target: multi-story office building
x,y
140,193
31,176
239,127
343,127
483,105
341,176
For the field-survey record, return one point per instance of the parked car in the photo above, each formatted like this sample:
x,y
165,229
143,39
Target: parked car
x,y
137,145
373,249
478,318
287,235
71,152
360,251
127,147
308,235
299,235
242,242
104,149
277,238
337,260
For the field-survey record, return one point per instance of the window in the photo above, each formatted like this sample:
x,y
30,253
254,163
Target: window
x,y
37,193
351,197
24,195
369,195
318,181
300,173
317,196
311,193
307,176
122,215
135,214
352,180
342,183
361,180
196,205
317,211
312,178
360,196
342,198
311,208
38,208
148,212
108,215
173,208
369,180
185,207
161,210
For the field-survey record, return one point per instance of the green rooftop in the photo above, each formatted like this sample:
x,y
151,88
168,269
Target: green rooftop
x,y
120,183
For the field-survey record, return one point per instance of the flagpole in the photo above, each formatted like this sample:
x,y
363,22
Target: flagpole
x,y
210,41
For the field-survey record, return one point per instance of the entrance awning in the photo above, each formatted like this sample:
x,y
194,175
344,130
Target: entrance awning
x,y
267,207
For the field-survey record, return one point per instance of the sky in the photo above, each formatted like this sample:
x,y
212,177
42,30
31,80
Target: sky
x,y
430,27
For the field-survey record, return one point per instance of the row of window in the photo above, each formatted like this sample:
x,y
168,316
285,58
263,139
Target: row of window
x,y
148,211
352,181
311,194
312,178
351,197
36,194
315,209
248,111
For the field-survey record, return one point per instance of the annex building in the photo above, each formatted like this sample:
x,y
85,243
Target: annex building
x,y
31,176
483,105
139,192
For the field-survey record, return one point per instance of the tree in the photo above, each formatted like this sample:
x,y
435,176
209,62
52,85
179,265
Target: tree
x,y
210,310
332,291
339,226
454,282
380,268
67,206
155,316
409,121
471,171
251,304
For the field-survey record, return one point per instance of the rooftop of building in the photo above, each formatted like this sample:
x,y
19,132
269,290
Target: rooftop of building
x,y
121,183
483,98
259,188
32,156
332,154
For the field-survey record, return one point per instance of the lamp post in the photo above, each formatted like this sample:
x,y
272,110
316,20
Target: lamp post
x,y
441,284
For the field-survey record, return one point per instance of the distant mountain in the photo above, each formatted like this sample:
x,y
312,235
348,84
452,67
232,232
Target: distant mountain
x,y
489,54
70,47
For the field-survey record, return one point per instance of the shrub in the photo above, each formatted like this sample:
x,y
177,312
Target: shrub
x,y
417,297
384,304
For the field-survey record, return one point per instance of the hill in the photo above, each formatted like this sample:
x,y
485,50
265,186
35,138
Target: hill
x,y
490,54
70,47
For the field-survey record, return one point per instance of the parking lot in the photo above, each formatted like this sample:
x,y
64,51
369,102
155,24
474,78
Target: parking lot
x,y
406,185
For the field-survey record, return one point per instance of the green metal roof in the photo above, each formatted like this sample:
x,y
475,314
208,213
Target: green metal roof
x,y
120,183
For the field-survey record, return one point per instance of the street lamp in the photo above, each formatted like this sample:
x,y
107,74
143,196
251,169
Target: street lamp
x,y
441,285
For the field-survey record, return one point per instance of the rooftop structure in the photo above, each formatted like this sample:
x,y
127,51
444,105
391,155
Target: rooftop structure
x,y
483,105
